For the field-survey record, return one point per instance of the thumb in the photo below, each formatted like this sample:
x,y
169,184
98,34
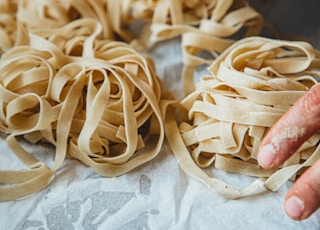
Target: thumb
x,y
303,197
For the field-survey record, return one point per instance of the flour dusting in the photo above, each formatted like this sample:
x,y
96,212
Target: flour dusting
x,y
292,133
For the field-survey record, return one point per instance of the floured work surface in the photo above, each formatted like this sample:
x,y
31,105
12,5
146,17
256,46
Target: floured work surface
x,y
157,195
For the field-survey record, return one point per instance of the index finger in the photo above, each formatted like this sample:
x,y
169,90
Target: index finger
x,y
294,128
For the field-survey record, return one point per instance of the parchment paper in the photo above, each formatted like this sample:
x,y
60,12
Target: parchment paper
x,y
157,195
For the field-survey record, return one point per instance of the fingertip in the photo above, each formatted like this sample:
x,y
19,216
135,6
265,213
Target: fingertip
x,y
266,156
294,207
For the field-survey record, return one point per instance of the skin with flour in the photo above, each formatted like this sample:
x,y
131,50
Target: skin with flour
x,y
292,133
286,136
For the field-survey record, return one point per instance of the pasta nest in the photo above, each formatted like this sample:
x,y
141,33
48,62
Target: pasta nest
x,y
95,100
206,27
251,85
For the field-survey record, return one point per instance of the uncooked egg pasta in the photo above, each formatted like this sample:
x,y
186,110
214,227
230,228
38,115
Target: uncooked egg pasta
x,y
204,26
94,100
64,80
251,85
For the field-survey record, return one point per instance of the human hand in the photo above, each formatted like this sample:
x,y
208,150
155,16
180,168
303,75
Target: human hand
x,y
287,135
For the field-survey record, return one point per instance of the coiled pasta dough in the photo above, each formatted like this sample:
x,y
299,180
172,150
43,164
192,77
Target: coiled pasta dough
x,y
63,81
95,100
205,26
252,84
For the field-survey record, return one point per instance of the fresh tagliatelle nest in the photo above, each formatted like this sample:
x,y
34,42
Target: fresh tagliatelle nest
x,y
252,84
95,100
204,26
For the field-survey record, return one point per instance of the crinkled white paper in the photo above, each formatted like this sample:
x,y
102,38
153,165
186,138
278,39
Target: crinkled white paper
x,y
157,195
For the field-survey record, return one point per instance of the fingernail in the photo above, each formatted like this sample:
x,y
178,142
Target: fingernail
x,y
266,156
294,207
